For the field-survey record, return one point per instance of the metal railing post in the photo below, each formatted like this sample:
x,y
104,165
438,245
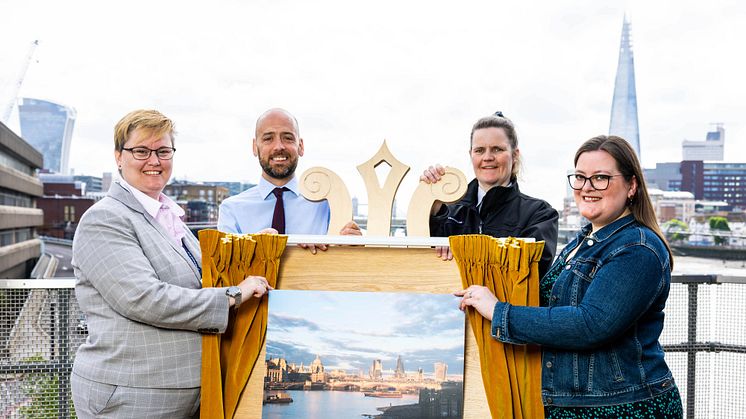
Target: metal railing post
x,y
64,388
691,352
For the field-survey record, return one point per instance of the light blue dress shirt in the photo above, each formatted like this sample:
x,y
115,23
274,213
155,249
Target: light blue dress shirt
x,y
251,211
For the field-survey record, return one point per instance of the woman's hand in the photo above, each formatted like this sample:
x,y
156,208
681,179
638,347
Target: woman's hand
x,y
443,252
478,297
433,174
254,286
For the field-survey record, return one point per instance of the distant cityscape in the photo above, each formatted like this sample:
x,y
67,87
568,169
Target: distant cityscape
x,y
317,375
437,394
40,196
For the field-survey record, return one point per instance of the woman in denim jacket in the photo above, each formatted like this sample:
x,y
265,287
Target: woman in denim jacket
x,y
602,299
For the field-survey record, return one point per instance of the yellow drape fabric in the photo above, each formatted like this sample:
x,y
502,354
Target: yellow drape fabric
x,y
228,359
509,268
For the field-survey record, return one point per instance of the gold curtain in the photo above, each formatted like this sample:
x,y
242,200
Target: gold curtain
x,y
228,359
509,268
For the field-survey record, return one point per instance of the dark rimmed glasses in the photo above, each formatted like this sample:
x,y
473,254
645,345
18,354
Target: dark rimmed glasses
x,y
598,182
143,153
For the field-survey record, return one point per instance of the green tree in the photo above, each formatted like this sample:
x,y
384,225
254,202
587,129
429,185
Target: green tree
x,y
676,230
719,224
42,390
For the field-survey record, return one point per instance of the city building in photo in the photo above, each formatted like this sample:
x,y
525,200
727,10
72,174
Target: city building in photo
x,y
712,148
624,103
48,127
19,217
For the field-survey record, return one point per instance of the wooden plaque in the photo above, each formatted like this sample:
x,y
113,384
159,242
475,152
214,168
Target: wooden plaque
x,y
386,269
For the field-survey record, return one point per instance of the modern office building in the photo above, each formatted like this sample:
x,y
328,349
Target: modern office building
x,y
715,181
712,148
665,176
376,370
92,183
48,127
624,103
707,180
441,371
399,372
19,217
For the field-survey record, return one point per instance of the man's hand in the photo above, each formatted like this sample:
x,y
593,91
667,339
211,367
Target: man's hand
x,y
351,229
269,230
314,247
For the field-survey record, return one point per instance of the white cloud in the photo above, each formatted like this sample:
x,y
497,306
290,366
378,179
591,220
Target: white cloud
x,y
355,73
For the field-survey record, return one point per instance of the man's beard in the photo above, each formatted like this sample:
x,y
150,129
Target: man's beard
x,y
288,171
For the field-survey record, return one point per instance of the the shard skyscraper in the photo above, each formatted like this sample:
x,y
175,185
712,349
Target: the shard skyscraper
x,y
624,105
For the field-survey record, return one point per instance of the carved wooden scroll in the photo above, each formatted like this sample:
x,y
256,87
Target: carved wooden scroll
x,y
451,187
381,199
319,183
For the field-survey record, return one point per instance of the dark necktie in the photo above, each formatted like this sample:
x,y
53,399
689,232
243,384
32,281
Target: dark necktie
x,y
278,218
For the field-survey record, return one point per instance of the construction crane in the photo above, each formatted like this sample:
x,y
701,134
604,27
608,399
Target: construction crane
x,y
16,87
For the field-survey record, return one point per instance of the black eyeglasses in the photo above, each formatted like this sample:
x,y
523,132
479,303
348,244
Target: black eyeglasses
x,y
143,153
598,182
498,113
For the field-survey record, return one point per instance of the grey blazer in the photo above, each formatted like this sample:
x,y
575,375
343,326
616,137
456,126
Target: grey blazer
x,y
142,297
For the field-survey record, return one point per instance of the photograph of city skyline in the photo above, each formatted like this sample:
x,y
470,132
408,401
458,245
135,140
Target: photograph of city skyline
x,y
347,354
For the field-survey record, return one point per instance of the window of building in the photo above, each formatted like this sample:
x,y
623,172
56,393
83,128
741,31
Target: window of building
x,y
23,234
6,238
69,211
9,161
15,199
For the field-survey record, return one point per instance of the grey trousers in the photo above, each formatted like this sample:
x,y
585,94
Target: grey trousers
x,y
99,400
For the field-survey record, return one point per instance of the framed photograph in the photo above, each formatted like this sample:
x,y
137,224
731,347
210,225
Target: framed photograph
x,y
363,354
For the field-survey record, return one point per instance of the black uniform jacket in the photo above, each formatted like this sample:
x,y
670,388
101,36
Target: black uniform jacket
x,y
505,212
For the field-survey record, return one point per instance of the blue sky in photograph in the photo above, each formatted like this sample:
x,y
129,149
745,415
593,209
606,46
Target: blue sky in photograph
x,y
348,330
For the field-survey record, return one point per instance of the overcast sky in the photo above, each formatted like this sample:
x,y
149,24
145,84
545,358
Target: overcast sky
x,y
417,74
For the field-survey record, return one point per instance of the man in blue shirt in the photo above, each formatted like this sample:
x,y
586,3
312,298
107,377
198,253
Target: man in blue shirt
x,y
278,145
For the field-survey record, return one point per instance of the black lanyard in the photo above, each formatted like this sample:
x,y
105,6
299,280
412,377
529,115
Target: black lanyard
x,y
191,256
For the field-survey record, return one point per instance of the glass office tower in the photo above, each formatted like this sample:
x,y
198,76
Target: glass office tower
x,y
624,104
48,127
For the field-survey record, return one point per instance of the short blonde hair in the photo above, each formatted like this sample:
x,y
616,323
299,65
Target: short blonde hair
x,y
148,119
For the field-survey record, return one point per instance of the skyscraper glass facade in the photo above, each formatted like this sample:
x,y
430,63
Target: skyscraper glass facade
x,y
48,127
624,104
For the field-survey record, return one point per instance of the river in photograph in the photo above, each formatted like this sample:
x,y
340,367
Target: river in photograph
x,y
331,404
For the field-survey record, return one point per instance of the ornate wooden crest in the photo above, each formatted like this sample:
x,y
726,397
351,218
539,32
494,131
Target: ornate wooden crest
x,y
319,183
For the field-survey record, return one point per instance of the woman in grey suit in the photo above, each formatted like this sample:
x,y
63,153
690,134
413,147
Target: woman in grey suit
x,y
139,283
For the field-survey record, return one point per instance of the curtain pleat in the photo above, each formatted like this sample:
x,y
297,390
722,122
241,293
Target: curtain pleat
x,y
509,269
211,374
228,359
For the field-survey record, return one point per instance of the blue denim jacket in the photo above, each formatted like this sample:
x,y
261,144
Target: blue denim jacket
x,y
599,334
